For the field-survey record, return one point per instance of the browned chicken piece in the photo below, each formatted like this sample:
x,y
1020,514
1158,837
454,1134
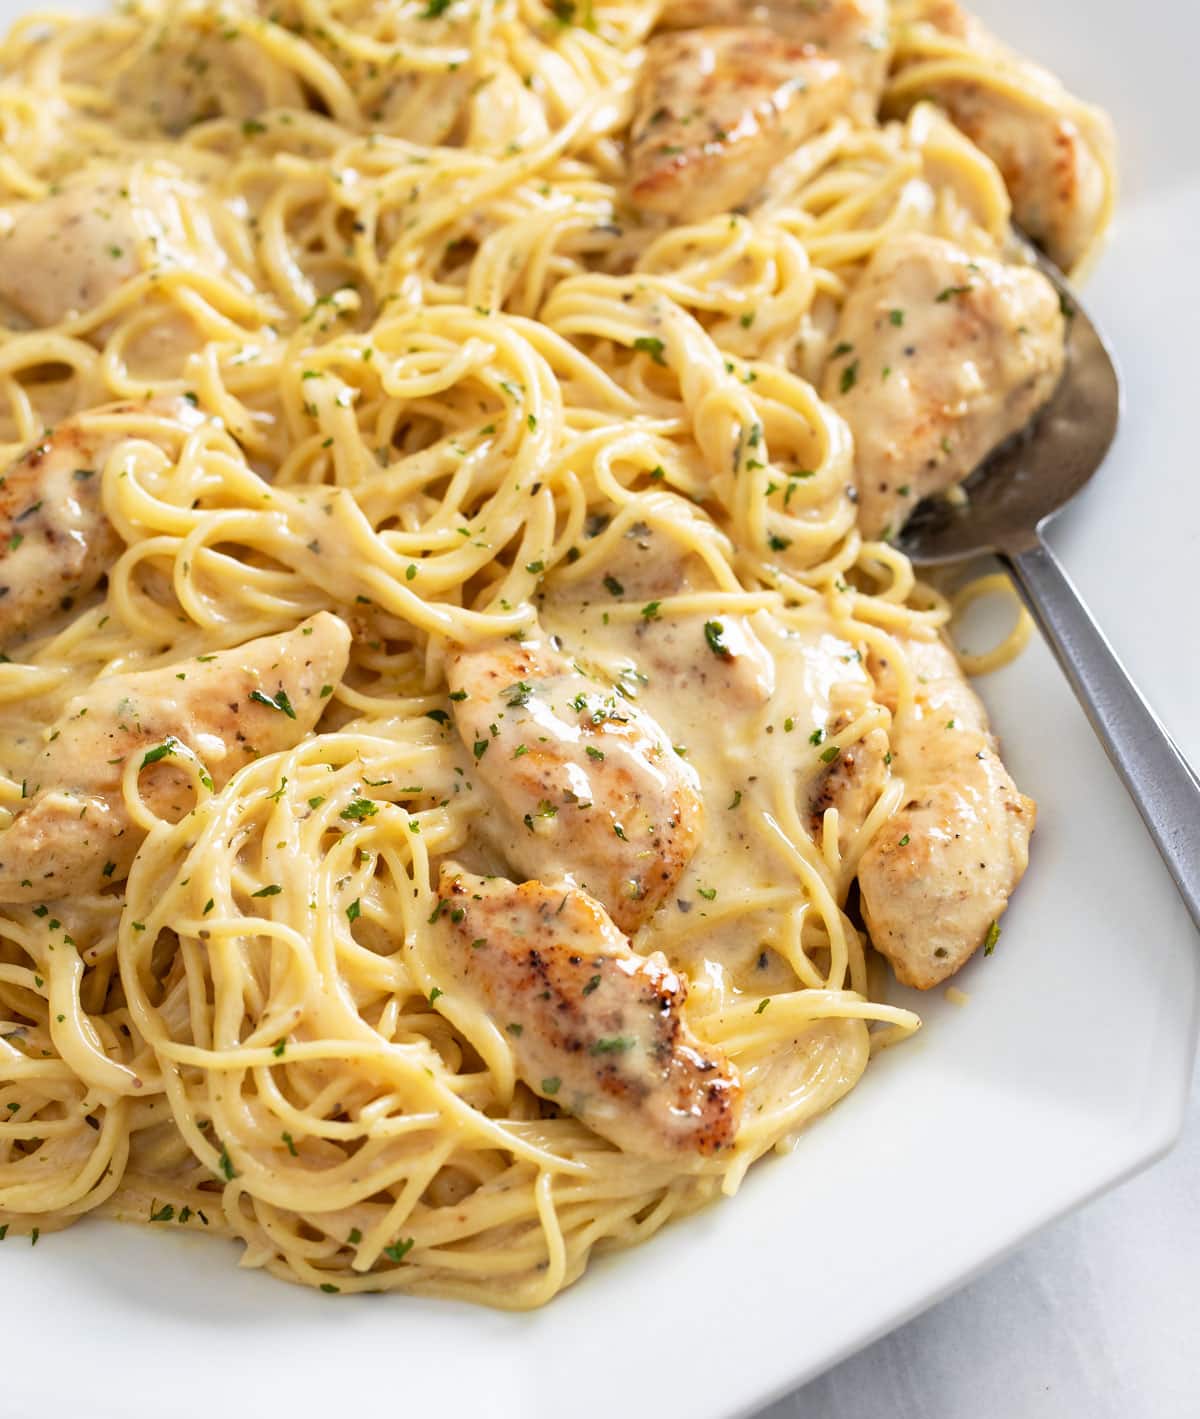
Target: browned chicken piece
x,y
854,32
74,833
1052,164
857,776
594,1027
68,253
588,785
717,109
940,356
939,874
55,541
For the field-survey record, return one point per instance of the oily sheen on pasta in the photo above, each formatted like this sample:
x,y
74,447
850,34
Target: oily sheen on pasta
x,y
455,733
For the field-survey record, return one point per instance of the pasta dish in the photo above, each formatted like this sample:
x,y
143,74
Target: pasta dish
x,y
470,748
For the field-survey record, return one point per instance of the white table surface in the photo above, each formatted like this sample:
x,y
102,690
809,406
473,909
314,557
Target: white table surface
x,y
1096,1318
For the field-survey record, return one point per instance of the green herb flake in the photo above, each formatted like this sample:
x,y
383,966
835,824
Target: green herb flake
x,y
652,346
400,1249
714,632
160,751
280,702
612,1044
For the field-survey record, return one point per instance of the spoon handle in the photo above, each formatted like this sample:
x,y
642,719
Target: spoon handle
x,y
1158,777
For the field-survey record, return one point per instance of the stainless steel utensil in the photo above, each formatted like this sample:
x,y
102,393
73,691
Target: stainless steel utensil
x,y
1010,499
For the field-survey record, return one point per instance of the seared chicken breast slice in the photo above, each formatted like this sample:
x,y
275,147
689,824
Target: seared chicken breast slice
x,y
937,877
74,832
717,109
939,357
586,786
592,1026
1053,163
68,253
55,540
854,32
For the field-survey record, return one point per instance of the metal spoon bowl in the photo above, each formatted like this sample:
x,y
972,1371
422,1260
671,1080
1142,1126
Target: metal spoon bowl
x,y
1009,499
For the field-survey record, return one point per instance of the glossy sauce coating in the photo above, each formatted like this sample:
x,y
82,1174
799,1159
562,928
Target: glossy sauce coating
x,y
594,1027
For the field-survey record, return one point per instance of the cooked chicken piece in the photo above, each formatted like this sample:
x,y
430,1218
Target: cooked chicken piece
x,y
857,775
199,68
74,833
940,356
938,875
717,109
55,541
68,253
592,1026
588,785
854,32
1053,165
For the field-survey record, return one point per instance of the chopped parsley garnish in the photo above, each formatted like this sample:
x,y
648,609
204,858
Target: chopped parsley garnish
x,y
652,346
828,756
896,317
989,941
270,891
400,1249
950,291
593,984
714,633
612,1044
160,751
849,377
551,1085
280,702
354,910
594,753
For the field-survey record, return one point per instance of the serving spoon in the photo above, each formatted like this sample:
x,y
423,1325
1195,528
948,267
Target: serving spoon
x,y
1010,499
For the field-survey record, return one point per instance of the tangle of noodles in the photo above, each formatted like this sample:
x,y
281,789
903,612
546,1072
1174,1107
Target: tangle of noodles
x,y
446,376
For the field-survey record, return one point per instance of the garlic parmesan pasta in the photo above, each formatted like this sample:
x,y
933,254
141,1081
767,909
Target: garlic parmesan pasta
x,y
461,713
